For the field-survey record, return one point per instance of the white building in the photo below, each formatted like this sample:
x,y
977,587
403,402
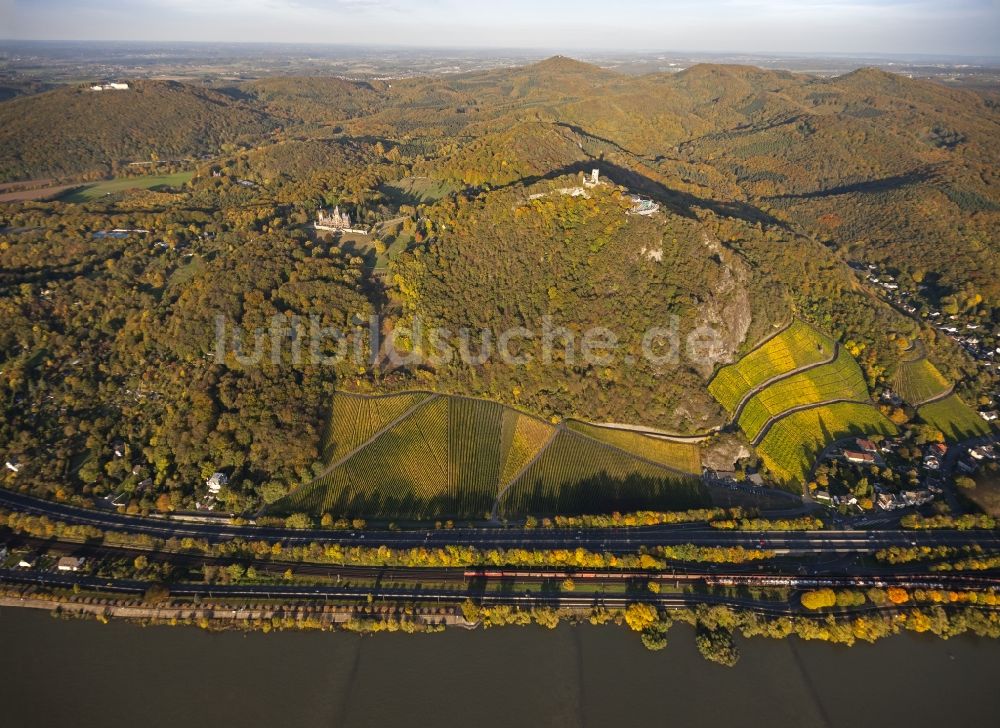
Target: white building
x,y
109,87
643,206
216,482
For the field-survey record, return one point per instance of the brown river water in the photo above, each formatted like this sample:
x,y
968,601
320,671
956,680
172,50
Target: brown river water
x,y
82,673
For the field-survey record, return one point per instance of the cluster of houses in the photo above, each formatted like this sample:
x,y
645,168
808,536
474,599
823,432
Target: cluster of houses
x,y
971,458
866,453
981,344
30,560
888,501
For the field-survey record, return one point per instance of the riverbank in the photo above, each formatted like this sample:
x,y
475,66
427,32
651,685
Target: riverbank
x,y
246,617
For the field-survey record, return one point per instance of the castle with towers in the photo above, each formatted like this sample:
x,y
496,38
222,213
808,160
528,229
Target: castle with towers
x,y
336,220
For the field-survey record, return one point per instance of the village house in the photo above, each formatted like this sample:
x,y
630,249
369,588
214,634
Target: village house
x,y
939,449
69,563
859,458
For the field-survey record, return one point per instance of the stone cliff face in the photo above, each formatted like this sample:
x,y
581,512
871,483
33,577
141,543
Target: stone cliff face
x,y
724,451
725,309
722,323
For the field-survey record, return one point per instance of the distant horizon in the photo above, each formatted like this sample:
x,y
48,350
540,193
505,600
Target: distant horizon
x,y
935,28
539,51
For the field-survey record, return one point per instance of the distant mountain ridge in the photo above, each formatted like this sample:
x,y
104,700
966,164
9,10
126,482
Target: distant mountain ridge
x,y
72,129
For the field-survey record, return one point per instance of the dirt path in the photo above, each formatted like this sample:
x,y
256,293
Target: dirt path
x,y
801,408
941,395
654,432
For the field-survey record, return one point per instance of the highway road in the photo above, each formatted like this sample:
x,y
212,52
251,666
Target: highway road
x,y
612,540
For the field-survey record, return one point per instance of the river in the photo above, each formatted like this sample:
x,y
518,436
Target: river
x,y
82,673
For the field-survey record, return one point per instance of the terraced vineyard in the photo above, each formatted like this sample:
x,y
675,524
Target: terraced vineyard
x,y
787,420
918,380
797,346
420,455
954,418
683,456
841,379
791,445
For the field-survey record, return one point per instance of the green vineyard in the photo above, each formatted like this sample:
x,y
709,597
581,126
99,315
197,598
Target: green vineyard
x,y
421,455
355,419
575,475
954,418
791,445
797,346
918,380
841,379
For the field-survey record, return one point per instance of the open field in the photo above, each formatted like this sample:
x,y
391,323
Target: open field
x,y
419,455
36,194
97,190
791,445
399,243
25,184
841,379
797,346
680,455
918,380
954,418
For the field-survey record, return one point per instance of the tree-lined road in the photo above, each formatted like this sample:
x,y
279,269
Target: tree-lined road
x,y
613,540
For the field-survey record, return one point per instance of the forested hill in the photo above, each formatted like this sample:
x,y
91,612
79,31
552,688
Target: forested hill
x,y
75,130
780,196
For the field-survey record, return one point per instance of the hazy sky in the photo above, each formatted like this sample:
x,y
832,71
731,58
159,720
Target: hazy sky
x,y
968,27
